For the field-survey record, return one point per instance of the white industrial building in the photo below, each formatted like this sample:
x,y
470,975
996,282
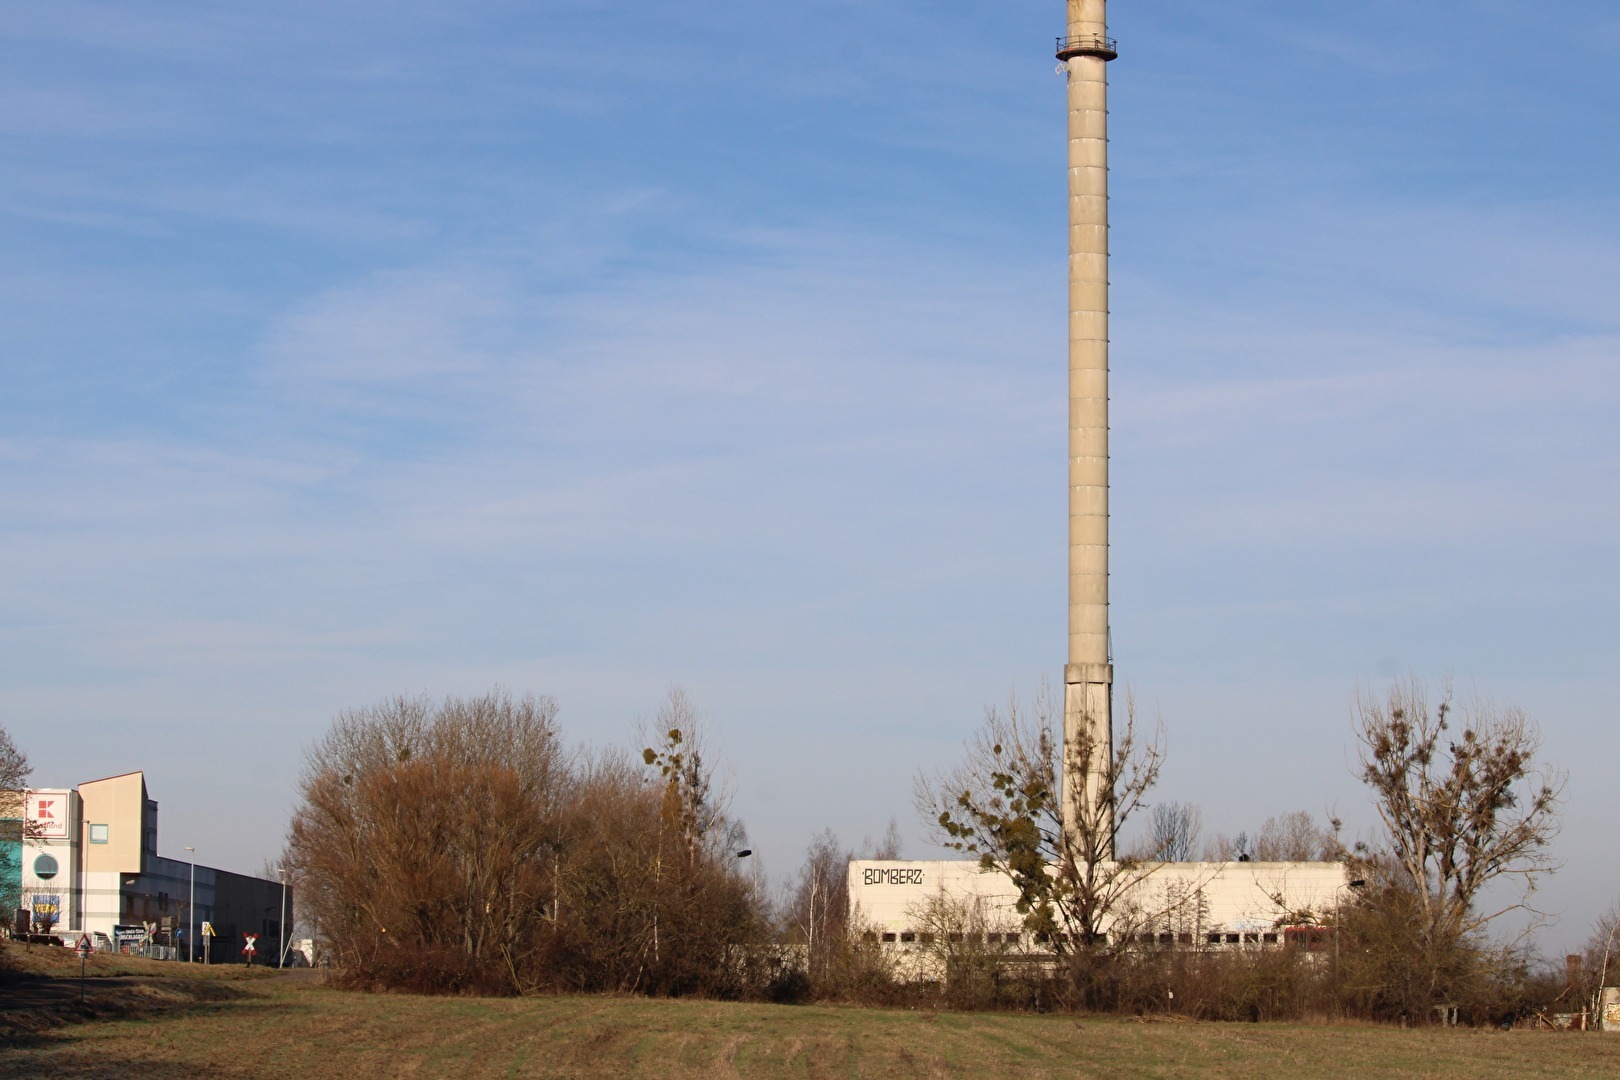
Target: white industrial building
x,y
1187,904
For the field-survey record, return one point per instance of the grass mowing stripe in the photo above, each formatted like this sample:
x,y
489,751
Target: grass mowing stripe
x,y
273,1028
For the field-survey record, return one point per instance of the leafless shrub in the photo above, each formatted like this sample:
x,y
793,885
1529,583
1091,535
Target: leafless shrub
x,y
423,834
839,955
455,847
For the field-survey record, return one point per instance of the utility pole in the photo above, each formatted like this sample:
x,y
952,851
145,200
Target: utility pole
x,y
191,911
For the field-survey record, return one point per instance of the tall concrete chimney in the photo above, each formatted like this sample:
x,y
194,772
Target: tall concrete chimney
x,y
1089,674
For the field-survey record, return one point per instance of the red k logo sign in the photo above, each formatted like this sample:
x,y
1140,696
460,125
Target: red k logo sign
x,y
45,809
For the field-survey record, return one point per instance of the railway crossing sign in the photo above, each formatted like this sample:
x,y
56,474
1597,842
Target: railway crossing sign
x,y
248,950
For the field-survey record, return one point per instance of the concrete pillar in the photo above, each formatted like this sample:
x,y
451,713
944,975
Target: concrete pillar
x,y
1089,674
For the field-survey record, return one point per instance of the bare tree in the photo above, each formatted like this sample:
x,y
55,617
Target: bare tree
x,y
14,772
888,847
1463,802
694,864
1175,829
14,767
1004,803
818,908
695,803
1296,837
1600,959
1220,847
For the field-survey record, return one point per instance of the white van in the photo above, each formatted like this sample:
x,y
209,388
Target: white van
x,y
98,941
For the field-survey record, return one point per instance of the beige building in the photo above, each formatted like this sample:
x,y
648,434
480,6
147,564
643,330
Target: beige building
x,y
1193,904
88,862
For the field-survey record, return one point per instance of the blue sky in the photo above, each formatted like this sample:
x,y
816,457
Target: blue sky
x,y
587,348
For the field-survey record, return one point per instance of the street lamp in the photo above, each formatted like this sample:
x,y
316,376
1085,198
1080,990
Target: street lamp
x,y
281,957
191,910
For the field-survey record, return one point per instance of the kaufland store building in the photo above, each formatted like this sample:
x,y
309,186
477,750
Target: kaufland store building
x,y
85,860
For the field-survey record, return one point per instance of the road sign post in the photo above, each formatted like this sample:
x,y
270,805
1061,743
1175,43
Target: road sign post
x,y
83,949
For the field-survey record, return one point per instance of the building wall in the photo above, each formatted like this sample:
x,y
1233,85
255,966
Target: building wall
x,y
178,895
51,827
119,805
250,905
1191,899
1609,1009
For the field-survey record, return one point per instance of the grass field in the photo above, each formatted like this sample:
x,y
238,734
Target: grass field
x,y
64,963
270,1027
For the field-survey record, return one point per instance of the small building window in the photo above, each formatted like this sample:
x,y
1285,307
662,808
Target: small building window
x,y
908,935
1213,939
45,867
98,834
888,936
1269,939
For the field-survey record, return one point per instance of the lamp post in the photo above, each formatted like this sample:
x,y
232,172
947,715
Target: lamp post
x,y
191,911
281,956
81,890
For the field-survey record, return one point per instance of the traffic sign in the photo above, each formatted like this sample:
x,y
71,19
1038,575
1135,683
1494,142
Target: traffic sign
x,y
208,929
83,947
248,949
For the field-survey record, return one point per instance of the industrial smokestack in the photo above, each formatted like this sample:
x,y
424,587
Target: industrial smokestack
x,y
1089,674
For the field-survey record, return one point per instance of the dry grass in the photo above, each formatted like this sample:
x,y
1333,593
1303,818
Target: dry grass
x,y
64,963
275,1028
